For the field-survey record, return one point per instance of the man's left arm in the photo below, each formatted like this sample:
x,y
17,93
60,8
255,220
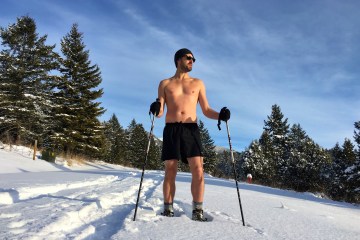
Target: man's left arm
x,y
204,104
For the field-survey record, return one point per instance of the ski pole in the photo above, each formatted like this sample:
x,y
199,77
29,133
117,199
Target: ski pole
x,y
235,175
145,161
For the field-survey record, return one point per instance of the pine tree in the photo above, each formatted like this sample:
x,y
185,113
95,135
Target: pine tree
x,y
348,153
137,142
79,131
297,162
26,83
277,129
353,172
154,158
343,162
208,145
317,159
115,143
224,165
254,162
348,174
357,137
266,146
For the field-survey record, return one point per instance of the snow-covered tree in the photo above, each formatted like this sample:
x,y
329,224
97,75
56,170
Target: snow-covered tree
x,y
26,62
306,161
277,128
270,168
353,172
115,141
79,130
317,160
297,162
342,170
223,164
254,162
357,137
138,139
208,149
154,158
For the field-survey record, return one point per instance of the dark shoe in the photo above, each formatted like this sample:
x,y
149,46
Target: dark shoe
x,y
198,215
167,213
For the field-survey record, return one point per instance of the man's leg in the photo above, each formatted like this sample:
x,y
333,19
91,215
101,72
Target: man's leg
x,y
197,182
169,181
197,188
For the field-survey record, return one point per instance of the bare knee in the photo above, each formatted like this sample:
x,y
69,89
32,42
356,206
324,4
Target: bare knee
x,y
198,173
170,170
197,170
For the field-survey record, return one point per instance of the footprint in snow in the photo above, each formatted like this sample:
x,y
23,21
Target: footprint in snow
x,y
258,230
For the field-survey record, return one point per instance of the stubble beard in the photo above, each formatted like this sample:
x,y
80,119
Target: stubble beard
x,y
186,68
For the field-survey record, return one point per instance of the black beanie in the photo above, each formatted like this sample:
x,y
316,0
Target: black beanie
x,y
180,53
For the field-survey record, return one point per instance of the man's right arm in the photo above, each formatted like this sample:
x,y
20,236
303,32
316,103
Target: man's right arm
x,y
161,97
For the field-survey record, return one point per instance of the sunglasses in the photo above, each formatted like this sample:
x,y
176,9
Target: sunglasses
x,y
190,58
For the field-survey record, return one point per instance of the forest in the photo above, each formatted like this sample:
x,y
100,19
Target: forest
x,y
54,98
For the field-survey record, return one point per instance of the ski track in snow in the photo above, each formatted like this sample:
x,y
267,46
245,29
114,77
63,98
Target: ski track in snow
x,y
87,209
149,217
98,202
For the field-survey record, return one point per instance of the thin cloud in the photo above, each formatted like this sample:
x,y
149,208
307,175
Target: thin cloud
x,y
300,55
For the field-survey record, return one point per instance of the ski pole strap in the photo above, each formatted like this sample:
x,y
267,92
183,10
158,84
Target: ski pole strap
x,y
219,123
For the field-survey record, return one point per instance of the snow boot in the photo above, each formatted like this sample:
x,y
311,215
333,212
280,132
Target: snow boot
x,y
167,213
198,215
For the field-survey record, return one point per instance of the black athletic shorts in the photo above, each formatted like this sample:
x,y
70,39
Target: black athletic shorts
x,y
181,141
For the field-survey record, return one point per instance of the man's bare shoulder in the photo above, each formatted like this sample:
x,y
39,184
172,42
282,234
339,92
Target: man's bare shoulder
x,y
165,82
198,81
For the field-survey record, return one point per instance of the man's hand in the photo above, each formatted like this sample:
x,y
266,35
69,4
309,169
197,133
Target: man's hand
x,y
155,107
224,114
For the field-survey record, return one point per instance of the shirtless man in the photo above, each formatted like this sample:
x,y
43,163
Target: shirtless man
x,y
181,137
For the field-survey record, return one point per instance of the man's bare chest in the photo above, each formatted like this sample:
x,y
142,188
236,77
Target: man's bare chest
x,y
182,89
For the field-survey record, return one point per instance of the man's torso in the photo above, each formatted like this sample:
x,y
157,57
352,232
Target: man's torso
x,y
181,97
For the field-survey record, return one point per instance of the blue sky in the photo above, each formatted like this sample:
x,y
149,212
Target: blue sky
x,y
301,55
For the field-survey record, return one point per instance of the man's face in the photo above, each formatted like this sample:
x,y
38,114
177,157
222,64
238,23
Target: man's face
x,y
187,62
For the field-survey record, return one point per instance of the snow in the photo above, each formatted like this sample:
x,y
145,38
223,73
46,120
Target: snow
x,y
41,200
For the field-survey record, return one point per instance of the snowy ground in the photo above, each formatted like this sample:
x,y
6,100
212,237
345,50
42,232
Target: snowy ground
x,y
39,200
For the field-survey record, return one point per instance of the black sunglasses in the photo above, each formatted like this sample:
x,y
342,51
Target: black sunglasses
x,y
190,58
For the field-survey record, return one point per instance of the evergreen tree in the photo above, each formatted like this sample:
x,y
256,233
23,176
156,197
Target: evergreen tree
x,y
357,137
254,162
277,128
297,162
224,165
137,139
348,155
348,174
154,158
353,172
306,163
269,166
79,131
335,186
115,143
208,145
343,163
25,82
317,160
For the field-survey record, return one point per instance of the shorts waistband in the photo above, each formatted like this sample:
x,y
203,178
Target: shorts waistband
x,y
181,123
